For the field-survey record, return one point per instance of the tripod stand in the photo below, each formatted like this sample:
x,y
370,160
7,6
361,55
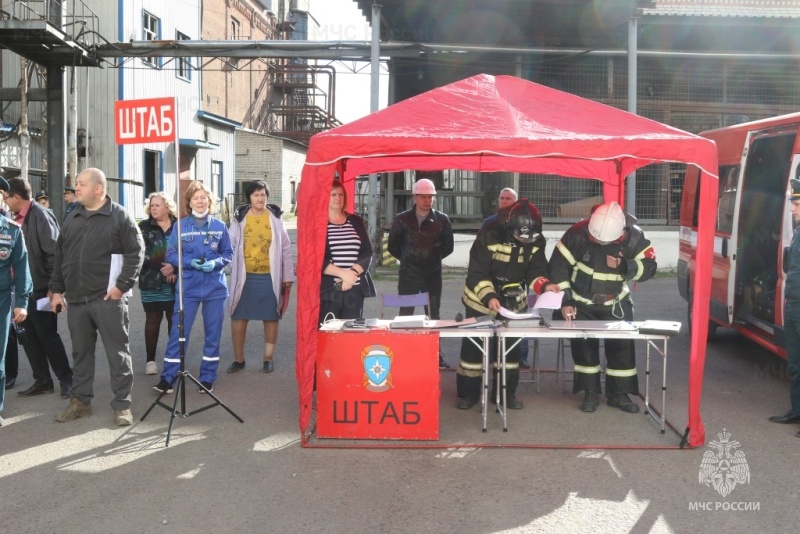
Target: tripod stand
x,y
183,375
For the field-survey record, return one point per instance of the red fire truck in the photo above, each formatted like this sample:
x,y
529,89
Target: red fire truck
x,y
753,228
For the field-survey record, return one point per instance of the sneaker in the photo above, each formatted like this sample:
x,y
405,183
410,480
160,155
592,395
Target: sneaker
x,y
75,410
236,367
163,387
442,364
123,417
268,367
624,403
151,368
524,365
208,385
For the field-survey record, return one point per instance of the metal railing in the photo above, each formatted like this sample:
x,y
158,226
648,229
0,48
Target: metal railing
x,y
77,20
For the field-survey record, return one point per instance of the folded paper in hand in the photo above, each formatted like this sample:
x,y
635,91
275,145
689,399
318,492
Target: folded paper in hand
x,y
113,273
43,304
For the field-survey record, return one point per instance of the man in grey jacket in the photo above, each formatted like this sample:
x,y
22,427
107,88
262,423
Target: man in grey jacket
x,y
42,342
98,256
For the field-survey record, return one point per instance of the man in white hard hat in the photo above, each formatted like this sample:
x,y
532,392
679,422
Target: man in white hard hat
x,y
592,264
420,238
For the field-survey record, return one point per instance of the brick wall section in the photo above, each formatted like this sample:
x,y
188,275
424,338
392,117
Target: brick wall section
x,y
237,89
274,160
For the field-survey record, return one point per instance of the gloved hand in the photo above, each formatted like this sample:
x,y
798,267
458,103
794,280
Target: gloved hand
x,y
205,267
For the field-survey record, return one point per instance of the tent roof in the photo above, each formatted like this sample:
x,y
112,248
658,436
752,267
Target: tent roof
x,y
522,122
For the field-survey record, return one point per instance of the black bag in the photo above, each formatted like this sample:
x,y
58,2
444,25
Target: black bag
x,y
150,279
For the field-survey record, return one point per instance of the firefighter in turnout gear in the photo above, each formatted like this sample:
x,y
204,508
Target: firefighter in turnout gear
x,y
592,263
505,260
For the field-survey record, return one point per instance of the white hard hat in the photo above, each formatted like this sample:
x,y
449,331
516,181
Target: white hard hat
x,y
424,187
607,223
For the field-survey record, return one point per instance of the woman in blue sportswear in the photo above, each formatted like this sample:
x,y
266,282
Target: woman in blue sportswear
x,y
206,250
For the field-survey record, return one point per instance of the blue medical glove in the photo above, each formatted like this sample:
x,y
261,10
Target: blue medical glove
x,y
197,265
208,266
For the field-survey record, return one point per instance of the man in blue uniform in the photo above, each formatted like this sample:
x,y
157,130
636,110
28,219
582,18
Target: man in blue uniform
x,y
14,274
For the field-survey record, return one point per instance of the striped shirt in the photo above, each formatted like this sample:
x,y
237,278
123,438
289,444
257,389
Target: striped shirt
x,y
344,243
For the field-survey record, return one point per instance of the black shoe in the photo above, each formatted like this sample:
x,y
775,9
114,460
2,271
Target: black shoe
x,y
37,389
465,404
66,388
624,403
590,401
236,367
163,387
786,418
10,383
268,366
513,403
208,386
442,364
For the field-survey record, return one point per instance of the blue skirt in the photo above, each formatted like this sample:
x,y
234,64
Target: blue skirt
x,y
258,301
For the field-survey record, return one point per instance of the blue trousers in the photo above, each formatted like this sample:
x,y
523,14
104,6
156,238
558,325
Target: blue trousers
x,y
213,316
791,331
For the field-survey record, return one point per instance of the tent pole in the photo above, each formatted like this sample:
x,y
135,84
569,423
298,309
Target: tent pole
x,y
630,183
375,66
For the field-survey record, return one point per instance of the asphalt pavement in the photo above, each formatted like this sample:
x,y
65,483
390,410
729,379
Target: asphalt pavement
x,y
221,475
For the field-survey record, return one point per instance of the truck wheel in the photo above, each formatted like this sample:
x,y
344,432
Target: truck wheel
x,y
712,326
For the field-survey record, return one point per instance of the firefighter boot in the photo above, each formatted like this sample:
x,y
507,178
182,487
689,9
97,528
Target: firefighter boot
x,y
590,400
469,391
512,380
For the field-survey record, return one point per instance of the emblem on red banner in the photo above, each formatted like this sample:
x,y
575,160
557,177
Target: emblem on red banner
x,y
377,360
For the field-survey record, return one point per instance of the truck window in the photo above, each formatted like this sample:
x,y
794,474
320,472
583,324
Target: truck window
x,y
728,180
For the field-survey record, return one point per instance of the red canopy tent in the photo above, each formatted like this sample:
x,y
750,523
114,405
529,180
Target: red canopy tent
x,y
497,123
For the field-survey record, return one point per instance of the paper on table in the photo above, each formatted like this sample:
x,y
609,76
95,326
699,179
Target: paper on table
x,y
43,304
113,273
549,300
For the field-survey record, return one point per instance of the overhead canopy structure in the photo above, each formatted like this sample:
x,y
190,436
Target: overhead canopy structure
x,y
490,124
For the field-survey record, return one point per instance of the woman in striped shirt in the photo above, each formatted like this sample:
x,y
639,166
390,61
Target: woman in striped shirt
x,y
348,255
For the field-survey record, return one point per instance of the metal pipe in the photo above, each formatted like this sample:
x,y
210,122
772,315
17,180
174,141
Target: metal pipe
x,y
358,50
375,71
630,182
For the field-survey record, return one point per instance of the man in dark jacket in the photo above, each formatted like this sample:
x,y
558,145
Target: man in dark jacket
x,y
421,238
98,256
592,263
42,342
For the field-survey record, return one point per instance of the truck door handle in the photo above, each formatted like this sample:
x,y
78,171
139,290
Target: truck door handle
x,y
724,247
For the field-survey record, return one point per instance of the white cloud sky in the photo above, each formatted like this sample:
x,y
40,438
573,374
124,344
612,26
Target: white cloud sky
x,y
341,20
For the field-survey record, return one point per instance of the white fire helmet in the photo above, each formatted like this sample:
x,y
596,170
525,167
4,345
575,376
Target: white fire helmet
x,y
424,187
607,223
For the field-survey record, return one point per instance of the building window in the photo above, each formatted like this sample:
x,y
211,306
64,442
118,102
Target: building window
x,y
217,179
236,29
151,31
152,172
183,65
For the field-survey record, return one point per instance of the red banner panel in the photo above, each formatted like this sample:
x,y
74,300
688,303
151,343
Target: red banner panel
x,y
378,385
150,120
